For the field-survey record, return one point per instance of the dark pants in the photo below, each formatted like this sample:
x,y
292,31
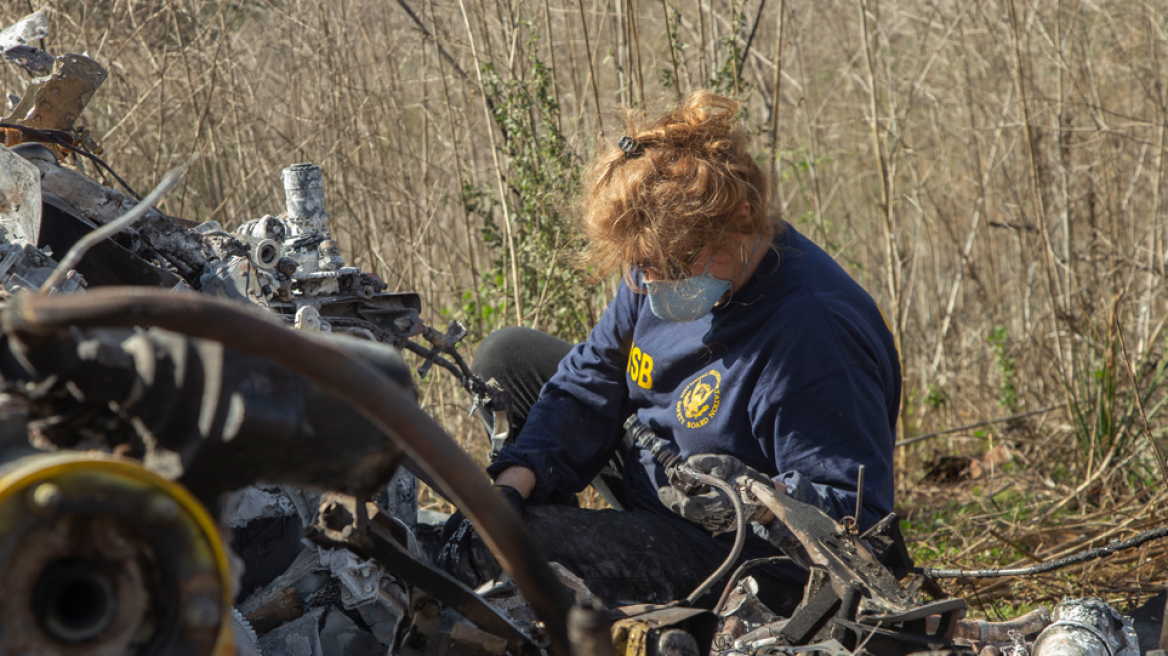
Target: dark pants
x,y
624,557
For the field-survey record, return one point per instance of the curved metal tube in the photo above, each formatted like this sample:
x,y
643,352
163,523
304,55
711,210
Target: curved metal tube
x,y
380,400
739,535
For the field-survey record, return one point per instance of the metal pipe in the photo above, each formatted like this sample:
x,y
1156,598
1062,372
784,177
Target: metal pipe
x,y
859,496
379,399
981,632
739,534
745,567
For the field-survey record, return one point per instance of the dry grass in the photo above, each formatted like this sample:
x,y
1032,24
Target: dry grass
x,y
982,168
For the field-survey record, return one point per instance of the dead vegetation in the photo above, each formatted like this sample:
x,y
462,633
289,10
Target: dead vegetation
x,y
992,172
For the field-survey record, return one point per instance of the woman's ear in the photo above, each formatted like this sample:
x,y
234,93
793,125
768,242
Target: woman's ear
x,y
742,222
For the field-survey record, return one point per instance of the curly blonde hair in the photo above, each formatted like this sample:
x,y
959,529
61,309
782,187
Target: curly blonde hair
x,y
681,189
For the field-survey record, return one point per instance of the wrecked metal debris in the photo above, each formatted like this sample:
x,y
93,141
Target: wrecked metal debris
x,y
116,437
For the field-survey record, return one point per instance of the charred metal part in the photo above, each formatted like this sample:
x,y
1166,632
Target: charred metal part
x,y
16,45
662,631
304,195
886,542
87,242
247,643
183,248
55,101
981,632
377,542
36,152
1087,627
746,610
859,498
850,596
490,400
35,61
20,197
847,559
112,557
113,261
228,417
377,397
25,267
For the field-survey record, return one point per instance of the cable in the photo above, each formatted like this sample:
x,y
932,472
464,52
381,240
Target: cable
x,y
1082,556
739,534
745,567
670,460
64,140
79,249
383,402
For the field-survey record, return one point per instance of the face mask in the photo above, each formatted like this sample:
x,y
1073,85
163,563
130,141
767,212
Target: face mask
x,y
688,299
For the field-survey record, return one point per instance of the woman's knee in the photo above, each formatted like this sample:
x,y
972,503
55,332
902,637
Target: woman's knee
x,y
517,348
500,349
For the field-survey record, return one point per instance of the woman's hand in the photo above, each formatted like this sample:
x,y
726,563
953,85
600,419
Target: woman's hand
x,y
709,507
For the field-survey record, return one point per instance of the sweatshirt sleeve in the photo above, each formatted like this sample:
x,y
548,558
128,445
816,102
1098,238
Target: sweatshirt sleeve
x,y
574,427
823,432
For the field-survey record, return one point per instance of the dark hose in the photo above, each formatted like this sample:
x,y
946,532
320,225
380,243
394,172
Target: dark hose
x,y
1050,565
379,399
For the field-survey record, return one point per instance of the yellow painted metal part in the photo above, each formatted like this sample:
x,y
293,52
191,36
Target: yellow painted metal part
x,y
630,637
32,471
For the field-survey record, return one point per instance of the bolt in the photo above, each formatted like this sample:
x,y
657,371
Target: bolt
x,y
161,509
368,588
428,609
46,496
202,612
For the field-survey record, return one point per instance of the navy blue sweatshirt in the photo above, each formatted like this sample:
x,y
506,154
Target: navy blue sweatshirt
x,y
796,375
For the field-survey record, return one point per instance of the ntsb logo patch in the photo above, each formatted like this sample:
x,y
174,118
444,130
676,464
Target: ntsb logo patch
x,y
700,399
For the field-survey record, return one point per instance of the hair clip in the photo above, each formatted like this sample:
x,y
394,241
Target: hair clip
x,y
631,147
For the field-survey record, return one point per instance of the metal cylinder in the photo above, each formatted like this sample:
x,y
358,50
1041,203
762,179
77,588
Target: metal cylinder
x,y
1087,627
100,555
267,254
304,197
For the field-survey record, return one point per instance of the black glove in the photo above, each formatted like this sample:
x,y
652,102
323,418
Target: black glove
x,y
705,505
464,555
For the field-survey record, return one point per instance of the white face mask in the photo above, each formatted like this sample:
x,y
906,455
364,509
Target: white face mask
x,y
690,299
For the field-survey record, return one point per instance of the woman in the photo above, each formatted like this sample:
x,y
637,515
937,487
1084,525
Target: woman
x,y
731,336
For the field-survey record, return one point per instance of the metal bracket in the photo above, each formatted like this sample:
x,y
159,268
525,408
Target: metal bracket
x,y
376,541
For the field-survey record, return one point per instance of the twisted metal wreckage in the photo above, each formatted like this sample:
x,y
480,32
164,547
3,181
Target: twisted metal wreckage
x,y
153,377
